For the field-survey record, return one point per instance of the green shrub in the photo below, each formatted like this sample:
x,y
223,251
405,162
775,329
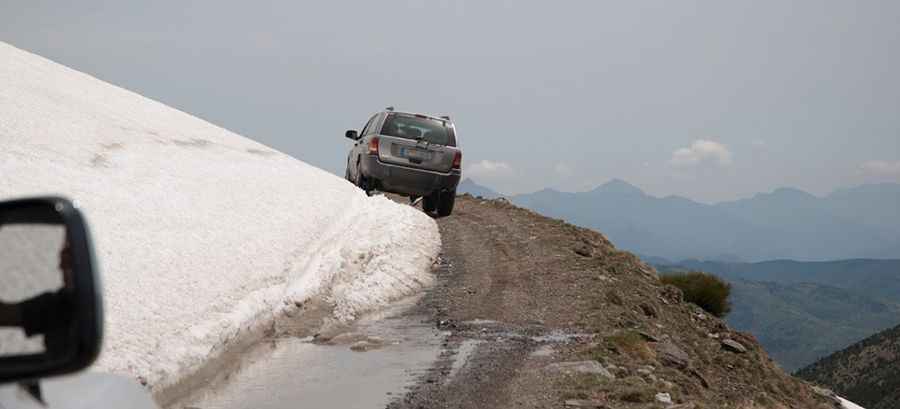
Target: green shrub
x,y
706,290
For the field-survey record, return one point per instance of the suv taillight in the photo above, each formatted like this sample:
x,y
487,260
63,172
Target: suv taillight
x,y
373,146
457,160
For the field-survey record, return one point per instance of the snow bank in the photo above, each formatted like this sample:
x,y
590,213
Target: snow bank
x,y
201,234
849,405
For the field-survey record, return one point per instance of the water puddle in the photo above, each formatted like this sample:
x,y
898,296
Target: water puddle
x,y
364,367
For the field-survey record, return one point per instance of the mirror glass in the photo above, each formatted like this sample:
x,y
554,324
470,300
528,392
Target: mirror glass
x,y
36,294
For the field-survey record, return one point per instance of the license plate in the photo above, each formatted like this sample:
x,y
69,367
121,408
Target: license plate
x,y
416,154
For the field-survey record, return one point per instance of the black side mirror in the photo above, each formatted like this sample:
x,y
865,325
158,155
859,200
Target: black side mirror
x,y
352,134
50,307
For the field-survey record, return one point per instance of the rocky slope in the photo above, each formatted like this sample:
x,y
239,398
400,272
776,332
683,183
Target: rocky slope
x,y
802,311
541,313
867,372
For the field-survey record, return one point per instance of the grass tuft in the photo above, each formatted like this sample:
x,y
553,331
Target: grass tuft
x,y
706,290
631,343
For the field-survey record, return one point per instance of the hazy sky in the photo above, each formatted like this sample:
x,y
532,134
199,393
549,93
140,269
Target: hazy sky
x,y
712,100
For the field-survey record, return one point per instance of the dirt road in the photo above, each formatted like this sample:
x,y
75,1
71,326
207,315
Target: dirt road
x,y
507,292
544,314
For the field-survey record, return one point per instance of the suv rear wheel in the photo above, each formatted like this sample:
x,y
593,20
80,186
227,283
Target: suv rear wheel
x,y
445,202
362,182
429,203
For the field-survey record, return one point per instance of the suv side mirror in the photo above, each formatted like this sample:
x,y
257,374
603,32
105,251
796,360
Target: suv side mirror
x,y
50,308
352,134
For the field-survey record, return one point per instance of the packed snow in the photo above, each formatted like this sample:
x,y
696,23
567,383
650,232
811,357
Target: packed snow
x,y
849,405
202,236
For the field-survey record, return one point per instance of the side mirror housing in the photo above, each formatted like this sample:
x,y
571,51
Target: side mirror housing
x,y
50,306
352,134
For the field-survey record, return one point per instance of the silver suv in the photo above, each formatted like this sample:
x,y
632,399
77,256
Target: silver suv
x,y
410,154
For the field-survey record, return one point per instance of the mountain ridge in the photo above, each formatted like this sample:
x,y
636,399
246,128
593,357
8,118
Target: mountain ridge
x,y
787,223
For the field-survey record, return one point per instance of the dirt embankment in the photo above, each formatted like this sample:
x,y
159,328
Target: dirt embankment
x,y
544,314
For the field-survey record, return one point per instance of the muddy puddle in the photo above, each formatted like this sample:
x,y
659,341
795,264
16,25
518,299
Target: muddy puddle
x,y
362,366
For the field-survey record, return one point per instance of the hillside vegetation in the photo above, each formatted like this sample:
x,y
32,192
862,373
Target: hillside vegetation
x,y
867,372
705,290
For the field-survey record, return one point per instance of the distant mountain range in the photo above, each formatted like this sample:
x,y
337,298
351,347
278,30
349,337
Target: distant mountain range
x,y
867,372
469,186
860,222
803,311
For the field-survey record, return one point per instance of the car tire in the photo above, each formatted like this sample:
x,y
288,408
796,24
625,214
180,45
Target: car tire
x,y
446,200
429,203
362,182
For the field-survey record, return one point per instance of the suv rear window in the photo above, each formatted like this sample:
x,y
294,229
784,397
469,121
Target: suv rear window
x,y
416,127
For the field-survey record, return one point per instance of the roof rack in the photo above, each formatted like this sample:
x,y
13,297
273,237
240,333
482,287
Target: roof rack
x,y
447,117
390,108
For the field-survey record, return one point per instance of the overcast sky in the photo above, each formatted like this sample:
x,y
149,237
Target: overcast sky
x,y
710,100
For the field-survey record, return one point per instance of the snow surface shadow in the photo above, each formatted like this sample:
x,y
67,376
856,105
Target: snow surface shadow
x,y
192,143
260,152
100,159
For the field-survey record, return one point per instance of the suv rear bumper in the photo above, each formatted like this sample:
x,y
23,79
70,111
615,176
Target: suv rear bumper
x,y
404,180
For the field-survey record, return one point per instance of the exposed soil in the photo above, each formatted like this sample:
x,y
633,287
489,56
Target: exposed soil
x,y
544,314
